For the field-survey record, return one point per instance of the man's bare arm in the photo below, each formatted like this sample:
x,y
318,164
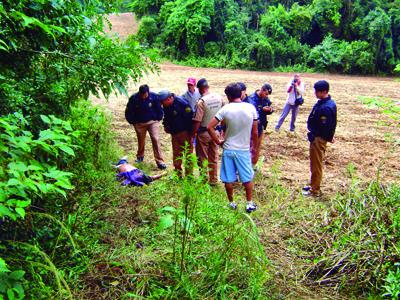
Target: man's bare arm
x,y
211,130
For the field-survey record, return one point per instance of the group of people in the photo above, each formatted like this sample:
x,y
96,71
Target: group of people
x,y
201,120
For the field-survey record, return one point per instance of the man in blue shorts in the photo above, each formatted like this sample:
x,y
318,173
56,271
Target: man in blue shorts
x,y
241,122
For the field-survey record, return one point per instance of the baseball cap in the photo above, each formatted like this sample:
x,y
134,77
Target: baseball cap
x,y
202,83
191,80
267,87
321,85
164,94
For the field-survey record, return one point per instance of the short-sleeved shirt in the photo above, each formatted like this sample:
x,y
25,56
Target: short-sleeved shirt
x,y
238,118
192,98
207,107
291,98
259,104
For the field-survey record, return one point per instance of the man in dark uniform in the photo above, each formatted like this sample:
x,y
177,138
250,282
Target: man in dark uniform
x,y
262,103
144,112
178,116
321,125
243,96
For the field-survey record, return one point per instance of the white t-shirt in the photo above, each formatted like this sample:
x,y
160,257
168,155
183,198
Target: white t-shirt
x,y
291,98
238,118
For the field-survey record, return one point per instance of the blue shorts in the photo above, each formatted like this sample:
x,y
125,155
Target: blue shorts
x,y
236,161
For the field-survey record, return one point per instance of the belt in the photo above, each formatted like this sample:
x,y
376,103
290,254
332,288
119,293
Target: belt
x,y
204,129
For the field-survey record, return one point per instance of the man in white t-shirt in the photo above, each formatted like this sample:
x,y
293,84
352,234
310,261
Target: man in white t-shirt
x,y
295,90
241,122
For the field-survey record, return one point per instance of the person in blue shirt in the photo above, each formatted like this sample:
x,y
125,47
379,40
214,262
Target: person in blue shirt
x,y
144,112
321,125
128,175
177,121
262,103
192,94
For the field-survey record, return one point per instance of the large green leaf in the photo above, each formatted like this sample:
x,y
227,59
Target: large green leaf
x,y
165,222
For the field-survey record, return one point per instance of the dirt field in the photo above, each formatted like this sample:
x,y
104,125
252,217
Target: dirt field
x,y
360,140
124,24
360,135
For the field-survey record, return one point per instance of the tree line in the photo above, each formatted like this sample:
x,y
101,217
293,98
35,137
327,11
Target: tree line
x,y
343,36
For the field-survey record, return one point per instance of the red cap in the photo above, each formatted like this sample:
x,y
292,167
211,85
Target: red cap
x,y
191,80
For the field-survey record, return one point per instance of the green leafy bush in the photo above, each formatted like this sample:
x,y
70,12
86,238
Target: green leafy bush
x,y
392,283
341,56
29,166
11,282
55,53
360,37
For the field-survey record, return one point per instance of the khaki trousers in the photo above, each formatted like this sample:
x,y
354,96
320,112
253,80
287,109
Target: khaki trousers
x,y
153,127
179,140
317,154
257,148
207,149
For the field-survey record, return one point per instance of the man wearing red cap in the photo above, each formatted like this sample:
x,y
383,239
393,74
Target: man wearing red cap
x,y
192,94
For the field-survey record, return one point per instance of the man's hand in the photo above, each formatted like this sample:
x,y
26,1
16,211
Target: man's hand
x,y
221,142
333,140
268,109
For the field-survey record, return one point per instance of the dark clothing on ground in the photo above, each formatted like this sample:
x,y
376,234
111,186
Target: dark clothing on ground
x,y
135,177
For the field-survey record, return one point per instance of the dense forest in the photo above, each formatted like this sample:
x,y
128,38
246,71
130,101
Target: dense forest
x,y
350,36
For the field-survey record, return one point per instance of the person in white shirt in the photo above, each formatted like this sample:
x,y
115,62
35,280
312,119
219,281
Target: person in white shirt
x,y
241,121
295,90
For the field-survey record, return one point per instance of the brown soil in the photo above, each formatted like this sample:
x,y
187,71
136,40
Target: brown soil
x,y
124,24
360,134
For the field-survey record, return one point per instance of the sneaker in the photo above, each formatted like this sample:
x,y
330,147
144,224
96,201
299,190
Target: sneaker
x,y
232,205
161,166
250,207
139,159
276,129
306,188
310,193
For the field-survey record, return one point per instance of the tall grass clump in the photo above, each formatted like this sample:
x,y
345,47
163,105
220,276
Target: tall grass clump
x,y
362,240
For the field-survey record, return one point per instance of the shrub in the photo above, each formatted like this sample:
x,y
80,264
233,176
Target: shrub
x,y
364,238
148,30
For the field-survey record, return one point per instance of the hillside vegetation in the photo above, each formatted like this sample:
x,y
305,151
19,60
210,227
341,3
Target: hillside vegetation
x,y
351,36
